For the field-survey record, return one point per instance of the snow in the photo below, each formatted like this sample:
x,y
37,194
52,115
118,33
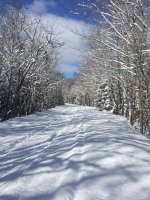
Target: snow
x,y
73,153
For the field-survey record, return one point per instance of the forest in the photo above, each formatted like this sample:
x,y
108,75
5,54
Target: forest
x,y
115,75
116,72
75,100
29,81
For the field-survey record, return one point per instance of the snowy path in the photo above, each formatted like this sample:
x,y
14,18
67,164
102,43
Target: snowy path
x,y
73,153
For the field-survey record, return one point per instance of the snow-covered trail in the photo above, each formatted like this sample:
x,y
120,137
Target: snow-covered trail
x,y
73,153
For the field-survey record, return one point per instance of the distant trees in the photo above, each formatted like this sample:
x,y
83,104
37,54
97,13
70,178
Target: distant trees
x,y
119,52
28,56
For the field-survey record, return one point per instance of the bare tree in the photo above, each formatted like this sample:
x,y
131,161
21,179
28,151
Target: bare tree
x,y
119,53
28,56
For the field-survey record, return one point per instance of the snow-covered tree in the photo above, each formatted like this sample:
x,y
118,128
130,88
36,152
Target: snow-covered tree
x,y
119,52
28,55
104,99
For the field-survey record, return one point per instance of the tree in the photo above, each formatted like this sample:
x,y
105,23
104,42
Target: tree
x,y
104,98
28,54
119,53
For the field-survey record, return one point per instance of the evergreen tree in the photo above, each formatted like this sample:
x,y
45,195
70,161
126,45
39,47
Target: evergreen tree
x,y
104,100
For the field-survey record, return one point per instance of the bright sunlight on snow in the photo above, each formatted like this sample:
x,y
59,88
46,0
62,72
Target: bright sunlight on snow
x,y
73,153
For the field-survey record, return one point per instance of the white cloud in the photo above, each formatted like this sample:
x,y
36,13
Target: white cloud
x,y
41,6
68,68
69,30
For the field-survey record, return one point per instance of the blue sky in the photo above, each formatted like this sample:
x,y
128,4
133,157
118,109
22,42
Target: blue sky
x,y
70,59
59,7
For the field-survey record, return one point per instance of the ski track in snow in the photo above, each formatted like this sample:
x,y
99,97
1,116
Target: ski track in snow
x,y
73,153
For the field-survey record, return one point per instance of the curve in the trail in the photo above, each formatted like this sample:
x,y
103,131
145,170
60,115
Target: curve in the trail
x,y
73,153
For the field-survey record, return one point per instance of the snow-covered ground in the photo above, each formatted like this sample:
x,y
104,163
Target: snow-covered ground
x,y
73,153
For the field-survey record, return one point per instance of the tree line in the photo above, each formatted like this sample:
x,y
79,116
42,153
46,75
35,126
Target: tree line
x,y
29,81
116,71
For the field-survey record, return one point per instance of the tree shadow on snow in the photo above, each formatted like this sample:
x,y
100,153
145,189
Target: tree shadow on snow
x,y
94,151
